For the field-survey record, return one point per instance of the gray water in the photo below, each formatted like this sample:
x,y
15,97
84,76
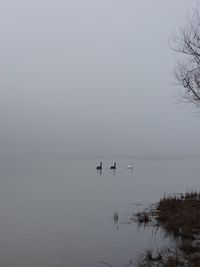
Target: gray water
x,y
59,211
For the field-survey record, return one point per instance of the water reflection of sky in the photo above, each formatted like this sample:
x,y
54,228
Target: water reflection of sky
x,y
59,212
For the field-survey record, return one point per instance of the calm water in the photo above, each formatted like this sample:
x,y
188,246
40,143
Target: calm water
x,y
58,211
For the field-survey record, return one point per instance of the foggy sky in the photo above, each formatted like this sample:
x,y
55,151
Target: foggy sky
x,y
92,77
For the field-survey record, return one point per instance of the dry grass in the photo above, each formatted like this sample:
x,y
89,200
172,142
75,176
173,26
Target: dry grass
x,y
151,258
142,217
172,261
180,215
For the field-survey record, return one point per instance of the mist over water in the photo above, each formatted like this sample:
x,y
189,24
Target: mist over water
x,y
59,211
84,82
92,78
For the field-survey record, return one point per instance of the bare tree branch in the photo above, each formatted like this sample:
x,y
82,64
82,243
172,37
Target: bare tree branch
x,y
187,70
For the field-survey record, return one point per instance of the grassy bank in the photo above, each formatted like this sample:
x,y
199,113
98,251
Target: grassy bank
x,y
178,215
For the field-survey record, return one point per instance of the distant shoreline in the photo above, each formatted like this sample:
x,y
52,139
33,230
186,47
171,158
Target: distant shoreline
x,y
130,157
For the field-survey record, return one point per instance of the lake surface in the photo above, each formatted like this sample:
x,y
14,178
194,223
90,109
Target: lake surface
x,y
59,211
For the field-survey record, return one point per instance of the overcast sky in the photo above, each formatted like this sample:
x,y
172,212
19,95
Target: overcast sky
x,y
90,77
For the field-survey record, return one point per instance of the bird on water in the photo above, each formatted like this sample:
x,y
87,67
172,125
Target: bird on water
x,y
113,167
130,166
100,166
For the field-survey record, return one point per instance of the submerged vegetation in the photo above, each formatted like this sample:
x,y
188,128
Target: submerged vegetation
x,y
143,217
115,217
158,259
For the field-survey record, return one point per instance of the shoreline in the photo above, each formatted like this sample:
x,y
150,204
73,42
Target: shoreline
x,y
178,215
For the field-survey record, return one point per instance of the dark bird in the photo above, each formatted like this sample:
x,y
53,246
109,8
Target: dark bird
x,y
100,166
113,167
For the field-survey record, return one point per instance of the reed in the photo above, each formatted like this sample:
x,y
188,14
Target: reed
x,y
180,215
143,217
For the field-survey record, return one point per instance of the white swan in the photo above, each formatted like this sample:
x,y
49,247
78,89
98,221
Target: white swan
x,y
130,166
